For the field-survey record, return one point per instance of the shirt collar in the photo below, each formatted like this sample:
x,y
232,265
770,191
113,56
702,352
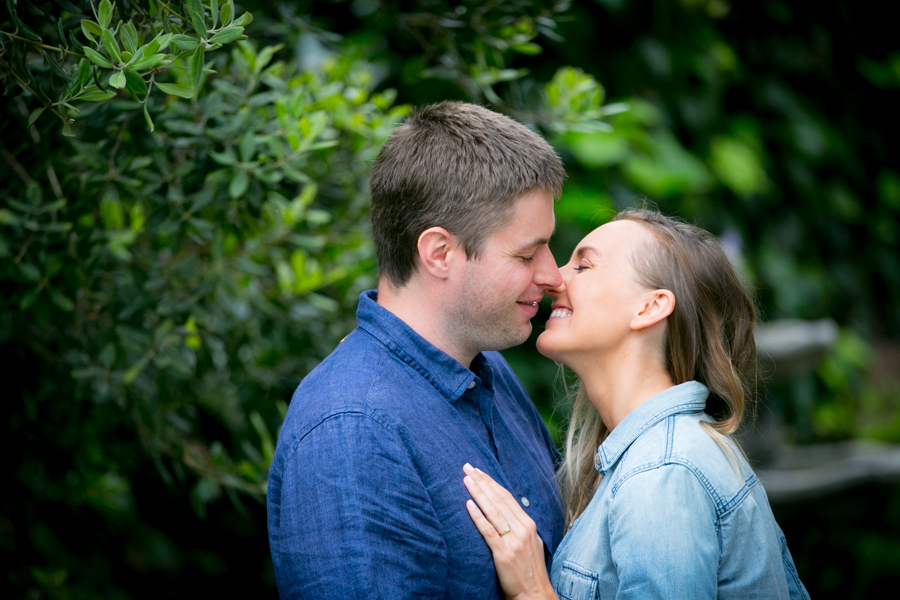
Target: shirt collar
x,y
688,397
450,378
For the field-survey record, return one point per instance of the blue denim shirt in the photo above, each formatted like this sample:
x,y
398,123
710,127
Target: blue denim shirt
x,y
366,496
671,518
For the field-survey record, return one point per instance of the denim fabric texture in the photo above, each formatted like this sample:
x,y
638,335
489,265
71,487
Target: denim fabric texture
x,y
672,519
366,496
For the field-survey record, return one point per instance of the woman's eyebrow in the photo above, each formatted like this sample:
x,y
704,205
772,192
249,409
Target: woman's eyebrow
x,y
581,251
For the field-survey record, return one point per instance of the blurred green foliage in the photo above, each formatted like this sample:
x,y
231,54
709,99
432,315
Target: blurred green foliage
x,y
71,58
164,291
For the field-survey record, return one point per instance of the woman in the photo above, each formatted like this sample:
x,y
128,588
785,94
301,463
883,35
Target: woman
x,y
655,323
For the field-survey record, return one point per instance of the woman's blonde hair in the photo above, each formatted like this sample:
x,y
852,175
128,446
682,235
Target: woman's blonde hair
x,y
709,338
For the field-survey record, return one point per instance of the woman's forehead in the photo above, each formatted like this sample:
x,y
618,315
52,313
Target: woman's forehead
x,y
613,237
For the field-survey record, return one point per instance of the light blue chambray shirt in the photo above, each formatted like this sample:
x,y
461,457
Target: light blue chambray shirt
x,y
671,518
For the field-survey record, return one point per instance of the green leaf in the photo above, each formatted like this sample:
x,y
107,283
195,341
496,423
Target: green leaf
x,y
34,115
229,34
57,70
199,23
195,68
61,301
97,58
226,15
182,91
151,48
135,84
214,11
68,6
117,80
105,14
529,48
193,6
67,128
238,185
75,43
244,20
95,94
82,76
23,29
146,63
164,39
129,37
112,47
185,42
30,272
223,158
264,56
148,119
91,30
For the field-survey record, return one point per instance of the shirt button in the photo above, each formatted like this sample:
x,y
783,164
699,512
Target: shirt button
x,y
472,385
525,501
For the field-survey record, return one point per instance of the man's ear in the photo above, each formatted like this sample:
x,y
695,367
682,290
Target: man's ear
x,y
658,305
437,248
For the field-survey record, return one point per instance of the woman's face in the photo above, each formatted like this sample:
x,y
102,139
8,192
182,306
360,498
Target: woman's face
x,y
594,308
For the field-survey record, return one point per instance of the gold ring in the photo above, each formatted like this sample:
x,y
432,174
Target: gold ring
x,y
505,531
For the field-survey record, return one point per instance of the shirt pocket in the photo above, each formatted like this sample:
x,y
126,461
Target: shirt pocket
x,y
577,583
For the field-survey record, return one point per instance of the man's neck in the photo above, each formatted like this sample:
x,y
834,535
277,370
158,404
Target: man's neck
x,y
422,311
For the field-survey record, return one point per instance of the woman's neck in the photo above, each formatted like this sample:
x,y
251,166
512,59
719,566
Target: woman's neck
x,y
618,384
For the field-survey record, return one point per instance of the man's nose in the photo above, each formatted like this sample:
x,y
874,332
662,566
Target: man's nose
x,y
547,274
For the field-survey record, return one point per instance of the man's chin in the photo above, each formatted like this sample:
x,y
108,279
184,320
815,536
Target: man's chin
x,y
508,339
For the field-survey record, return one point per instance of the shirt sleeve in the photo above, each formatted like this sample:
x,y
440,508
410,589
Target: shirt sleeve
x,y
663,537
355,520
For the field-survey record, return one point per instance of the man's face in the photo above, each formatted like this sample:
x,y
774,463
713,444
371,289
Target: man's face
x,y
497,293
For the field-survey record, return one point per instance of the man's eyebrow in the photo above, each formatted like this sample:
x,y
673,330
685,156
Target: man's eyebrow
x,y
538,242
533,244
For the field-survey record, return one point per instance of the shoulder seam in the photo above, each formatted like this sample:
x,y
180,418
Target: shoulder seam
x,y
673,462
332,415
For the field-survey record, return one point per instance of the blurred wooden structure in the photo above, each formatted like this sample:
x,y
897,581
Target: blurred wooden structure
x,y
787,349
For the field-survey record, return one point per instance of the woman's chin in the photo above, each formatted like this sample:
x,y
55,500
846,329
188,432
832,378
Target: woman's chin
x,y
548,347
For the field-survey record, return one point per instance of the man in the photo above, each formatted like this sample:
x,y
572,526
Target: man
x,y
366,498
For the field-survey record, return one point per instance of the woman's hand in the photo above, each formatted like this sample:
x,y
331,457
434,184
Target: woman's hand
x,y
512,537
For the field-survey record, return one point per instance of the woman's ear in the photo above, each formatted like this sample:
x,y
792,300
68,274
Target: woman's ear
x,y
437,248
658,305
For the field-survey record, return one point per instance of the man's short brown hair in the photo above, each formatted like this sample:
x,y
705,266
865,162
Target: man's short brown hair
x,y
457,166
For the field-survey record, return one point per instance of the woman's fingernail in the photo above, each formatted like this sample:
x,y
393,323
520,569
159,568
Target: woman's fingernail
x,y
468,479
467,468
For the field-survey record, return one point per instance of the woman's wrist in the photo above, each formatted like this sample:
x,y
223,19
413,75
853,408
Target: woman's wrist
x,y
546,592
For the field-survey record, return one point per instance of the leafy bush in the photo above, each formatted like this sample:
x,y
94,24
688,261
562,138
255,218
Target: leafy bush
x,y
173,263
